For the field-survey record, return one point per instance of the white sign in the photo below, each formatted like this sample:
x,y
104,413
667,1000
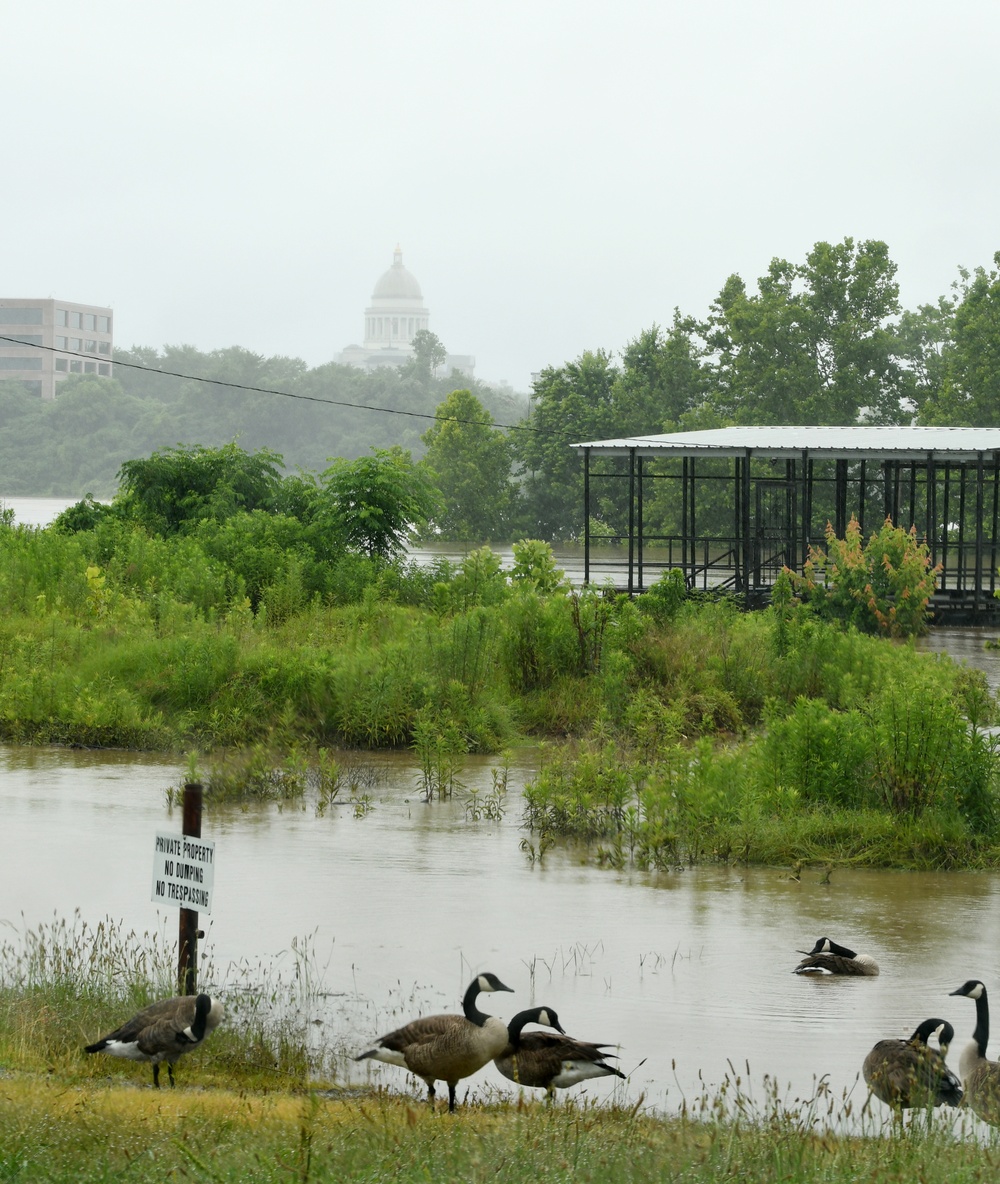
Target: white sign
x,y
183,872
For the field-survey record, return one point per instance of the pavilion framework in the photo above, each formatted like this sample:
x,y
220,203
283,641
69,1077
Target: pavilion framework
x,y
731,507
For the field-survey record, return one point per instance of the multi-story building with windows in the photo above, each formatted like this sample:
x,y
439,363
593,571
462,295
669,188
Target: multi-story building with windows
x,y
44,341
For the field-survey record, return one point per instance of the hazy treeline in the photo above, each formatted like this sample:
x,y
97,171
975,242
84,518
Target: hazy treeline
x,y
823,341
76,444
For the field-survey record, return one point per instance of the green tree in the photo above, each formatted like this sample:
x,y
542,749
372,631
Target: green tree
x,y
177,486
572,403
428,355
816,344
969,394
925,338
663,377
472,463
376,503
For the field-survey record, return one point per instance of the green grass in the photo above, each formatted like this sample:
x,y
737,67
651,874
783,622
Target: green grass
x,y
54,1130
260,1101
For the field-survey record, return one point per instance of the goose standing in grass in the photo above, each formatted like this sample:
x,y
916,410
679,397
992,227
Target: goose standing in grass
x,y
909,1074
550,1061
980,1077
446,1047
163,1031
827,957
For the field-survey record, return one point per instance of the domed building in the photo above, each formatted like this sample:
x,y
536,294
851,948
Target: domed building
x,y
396,314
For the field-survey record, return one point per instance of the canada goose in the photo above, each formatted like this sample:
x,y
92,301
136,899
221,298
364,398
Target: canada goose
x,y
163,1031
552,1062
908,1074
827,957
980,1077
446,1047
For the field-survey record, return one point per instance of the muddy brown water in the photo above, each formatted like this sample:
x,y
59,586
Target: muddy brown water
x,y
689,971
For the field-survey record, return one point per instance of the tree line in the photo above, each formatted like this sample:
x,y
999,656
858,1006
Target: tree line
x,y
822,341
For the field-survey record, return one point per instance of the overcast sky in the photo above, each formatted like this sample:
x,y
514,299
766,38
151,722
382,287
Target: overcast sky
x,y
559,175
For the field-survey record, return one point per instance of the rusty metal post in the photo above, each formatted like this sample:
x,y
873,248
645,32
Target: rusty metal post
x,y
187,938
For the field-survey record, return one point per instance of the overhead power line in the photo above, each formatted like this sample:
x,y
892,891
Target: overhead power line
x,y
264,390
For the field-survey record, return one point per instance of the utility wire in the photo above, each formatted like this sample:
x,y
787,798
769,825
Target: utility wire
x,y
263,390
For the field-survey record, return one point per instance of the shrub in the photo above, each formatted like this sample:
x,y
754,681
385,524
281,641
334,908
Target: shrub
x,y
883,586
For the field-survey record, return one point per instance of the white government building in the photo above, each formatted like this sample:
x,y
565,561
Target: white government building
x,y
395,315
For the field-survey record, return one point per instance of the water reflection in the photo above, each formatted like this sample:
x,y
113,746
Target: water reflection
x,y
688,970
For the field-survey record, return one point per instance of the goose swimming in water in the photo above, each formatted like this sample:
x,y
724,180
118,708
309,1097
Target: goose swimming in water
x,y
163,1031
909,1074
981,1077
550,1061
446,1047
827,957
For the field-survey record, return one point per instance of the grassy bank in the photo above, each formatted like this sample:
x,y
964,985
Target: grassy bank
x,y
55,1131
695,732
261,1101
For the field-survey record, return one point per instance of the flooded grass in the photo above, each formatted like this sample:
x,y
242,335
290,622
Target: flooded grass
x,y
264,1099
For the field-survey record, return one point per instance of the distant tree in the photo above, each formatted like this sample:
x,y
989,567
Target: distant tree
x,y
572,403
969,394
663,376
376,503
471,461
925,338
815,345
176,486
428,354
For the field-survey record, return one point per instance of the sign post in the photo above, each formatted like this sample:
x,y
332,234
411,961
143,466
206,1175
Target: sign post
x,y
183,875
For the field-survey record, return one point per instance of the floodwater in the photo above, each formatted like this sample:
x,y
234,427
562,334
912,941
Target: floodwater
x,y
689,971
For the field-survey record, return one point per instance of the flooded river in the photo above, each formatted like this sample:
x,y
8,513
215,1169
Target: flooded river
x,y
689,971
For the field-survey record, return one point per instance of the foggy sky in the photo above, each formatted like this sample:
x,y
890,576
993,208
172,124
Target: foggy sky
x,y
559,175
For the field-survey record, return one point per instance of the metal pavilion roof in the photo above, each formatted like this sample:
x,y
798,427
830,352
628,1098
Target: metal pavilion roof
x,y
835,443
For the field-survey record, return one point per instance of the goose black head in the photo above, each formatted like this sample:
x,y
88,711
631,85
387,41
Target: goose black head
x,y
934,1027
490,982
549,1018
825,946
972,988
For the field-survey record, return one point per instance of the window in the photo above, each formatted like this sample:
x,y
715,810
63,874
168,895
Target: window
x,y
62,364
90,346
76,343
90,367
75,366
74,320
104,369
62,342
89,321
20,316
103,324
26,338
62,317
20,363
104,347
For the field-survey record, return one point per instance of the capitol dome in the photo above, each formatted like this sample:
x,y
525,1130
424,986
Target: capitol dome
x,y
395,315
397,283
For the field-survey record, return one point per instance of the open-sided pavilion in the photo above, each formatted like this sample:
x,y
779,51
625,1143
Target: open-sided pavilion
x,y
730,507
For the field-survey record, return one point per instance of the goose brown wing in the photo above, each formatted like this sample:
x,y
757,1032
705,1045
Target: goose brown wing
x,y
890,1071
982,1091
831,963
421,1031
180,1007
564,1047
166,1035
